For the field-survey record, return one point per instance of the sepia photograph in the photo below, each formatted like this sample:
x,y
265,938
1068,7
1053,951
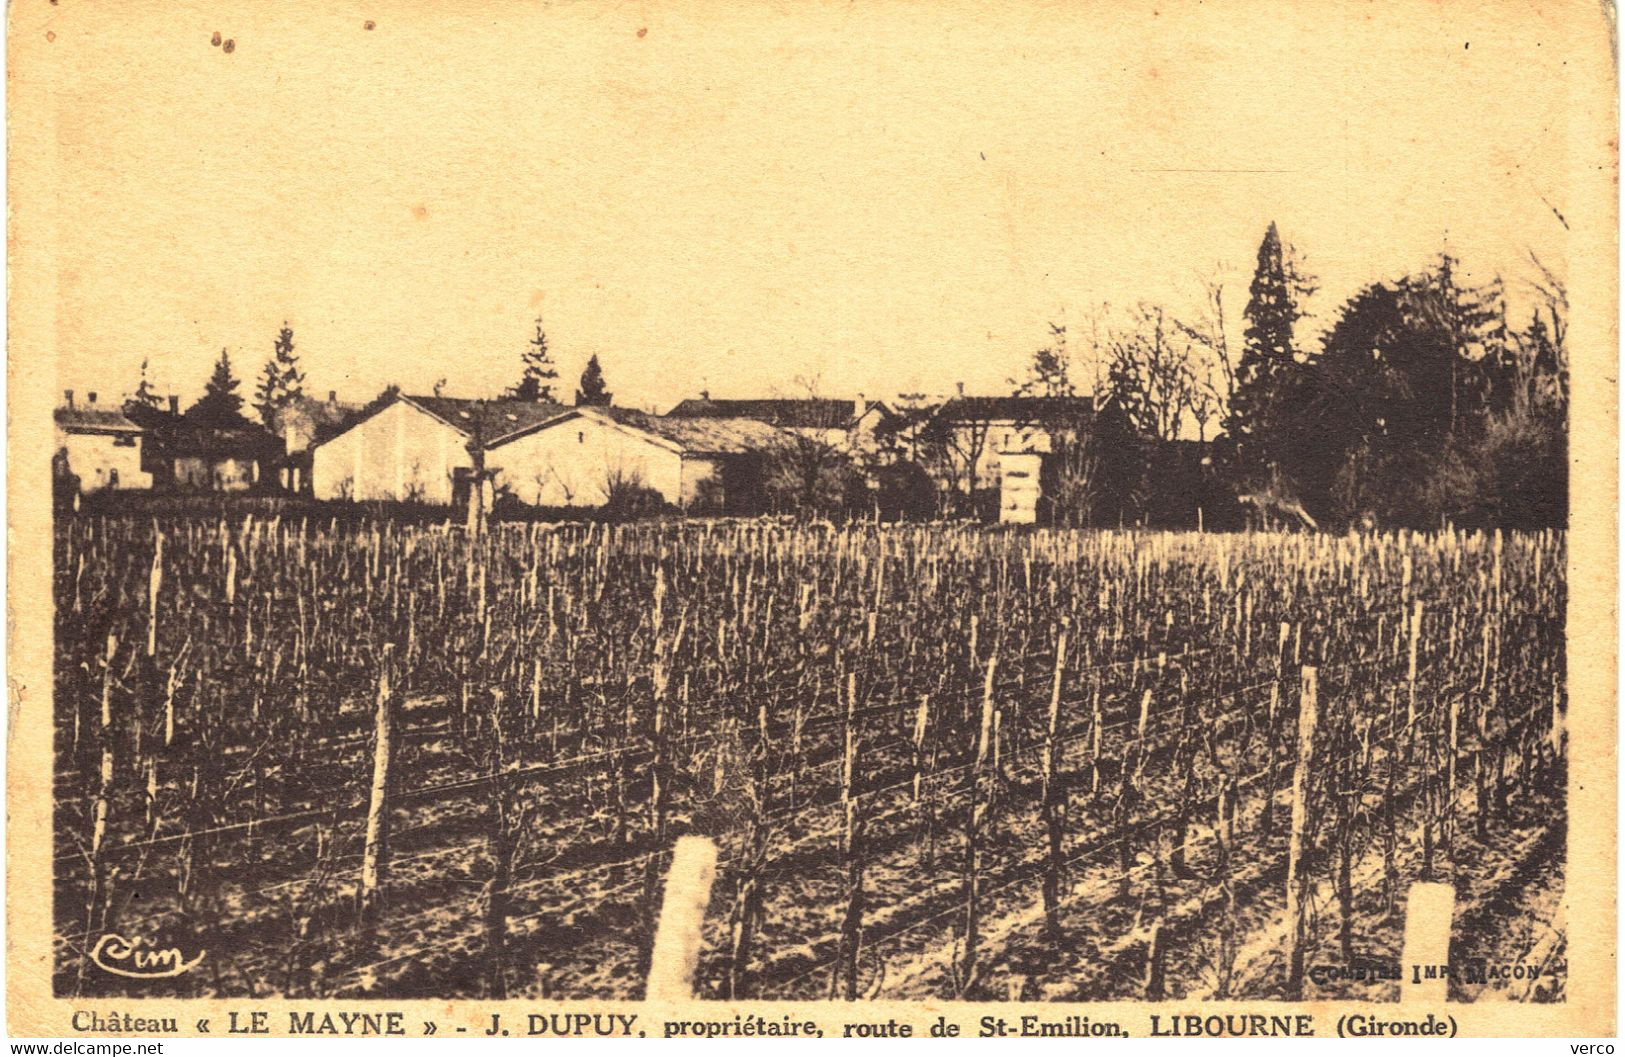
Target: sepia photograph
x,y
877,505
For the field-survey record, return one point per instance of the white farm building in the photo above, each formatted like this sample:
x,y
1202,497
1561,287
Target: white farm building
x,y
418,447
422,449
99,447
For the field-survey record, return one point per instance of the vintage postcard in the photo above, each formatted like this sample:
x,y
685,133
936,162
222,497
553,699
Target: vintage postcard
x,y
777,520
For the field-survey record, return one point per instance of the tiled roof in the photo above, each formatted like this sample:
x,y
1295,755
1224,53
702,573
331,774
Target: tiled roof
x,y
246,439
1017,408
701,436
500,422
306,419
493,421
324,412
94,420
795,414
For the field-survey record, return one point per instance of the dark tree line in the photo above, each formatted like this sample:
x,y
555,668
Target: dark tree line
x,y
1423,404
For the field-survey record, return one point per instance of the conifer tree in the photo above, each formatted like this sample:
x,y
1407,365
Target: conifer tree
x,y
1470,341
221,404
265,394
281,381
1049,374
290,379
592,392
536,383
1268,357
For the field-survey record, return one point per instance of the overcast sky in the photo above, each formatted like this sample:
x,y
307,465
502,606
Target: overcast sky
x,y
887,197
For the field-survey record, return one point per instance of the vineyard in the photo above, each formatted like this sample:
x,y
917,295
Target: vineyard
x,y
361,760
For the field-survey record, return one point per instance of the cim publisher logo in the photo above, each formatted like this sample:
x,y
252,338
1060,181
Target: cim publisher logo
x,y
140,958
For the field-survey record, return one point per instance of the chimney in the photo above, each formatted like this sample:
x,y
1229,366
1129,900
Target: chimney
x,y
91,396
68,393
961,388
332,396
174,404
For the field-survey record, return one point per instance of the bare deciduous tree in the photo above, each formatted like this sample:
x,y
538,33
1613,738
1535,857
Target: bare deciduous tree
x,y
1049,373
807,474
1151,372
1215,370
955,447
1543,356
1073,476
1207,331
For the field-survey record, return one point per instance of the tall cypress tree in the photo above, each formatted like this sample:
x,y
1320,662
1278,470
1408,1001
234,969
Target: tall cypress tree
x,y
1268,360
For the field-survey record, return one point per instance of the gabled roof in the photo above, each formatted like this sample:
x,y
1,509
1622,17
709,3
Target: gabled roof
x,y
700,436
197,435
1018,409
241,439
688,436
812,413
94,420
500,422
322,413
493,422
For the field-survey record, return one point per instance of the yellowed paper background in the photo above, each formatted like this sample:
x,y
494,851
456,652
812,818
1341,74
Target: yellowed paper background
x,y
883,195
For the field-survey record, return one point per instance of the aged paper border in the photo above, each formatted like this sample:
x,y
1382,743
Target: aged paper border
x,y
36,232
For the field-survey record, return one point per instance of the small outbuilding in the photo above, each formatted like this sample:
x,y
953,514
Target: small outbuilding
x,y
98,447
303,423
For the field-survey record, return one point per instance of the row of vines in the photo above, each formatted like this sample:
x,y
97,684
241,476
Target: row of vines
x,y
373,759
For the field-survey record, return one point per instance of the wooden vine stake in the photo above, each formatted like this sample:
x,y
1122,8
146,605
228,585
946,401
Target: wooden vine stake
x,y
1094,742
155,582
922,718
375,857
1224,835
1410,668
1307,707
104,790
746,918
1156,962
1266,817
1449,821
851,852
975,819
1053,804
659,780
